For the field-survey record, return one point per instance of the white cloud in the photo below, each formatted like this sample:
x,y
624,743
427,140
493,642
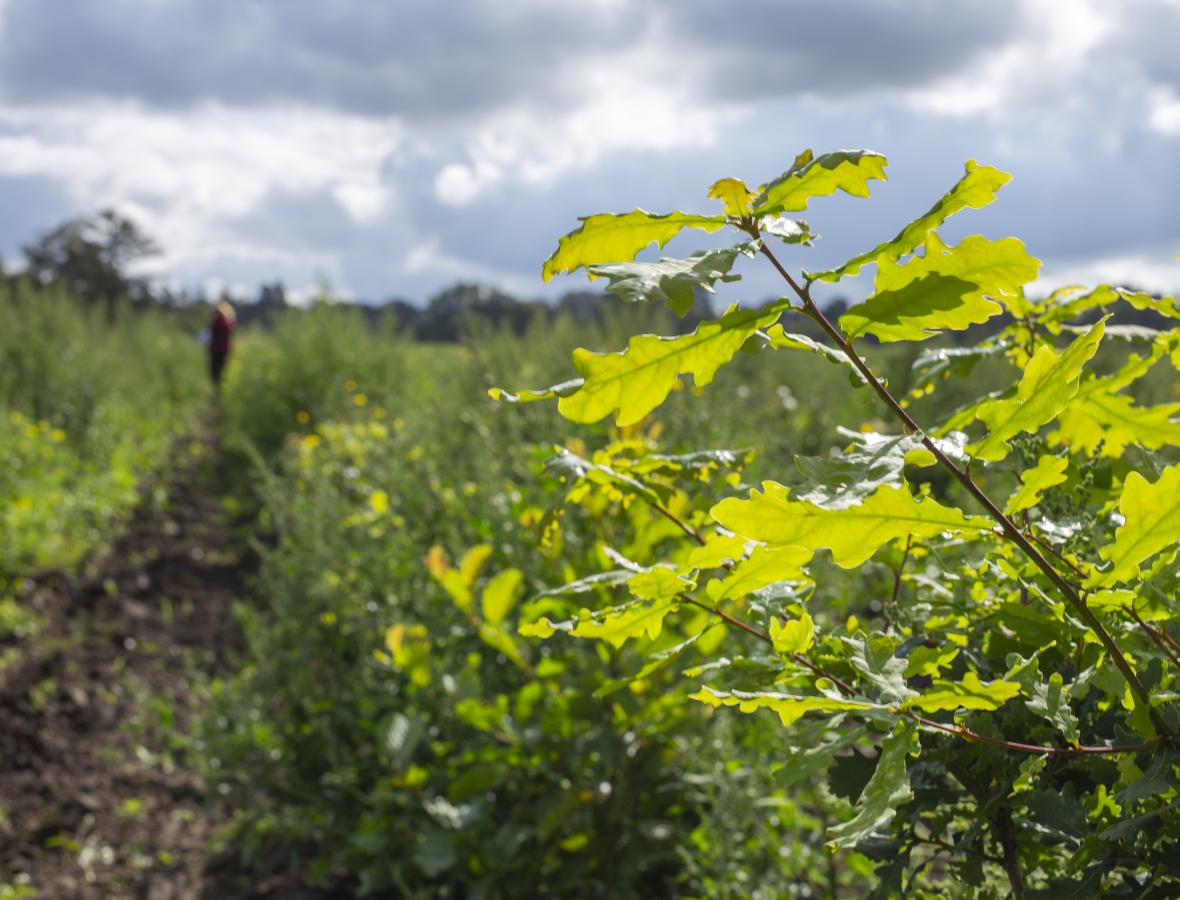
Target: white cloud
x,y
1156,273
428,258
1041,68
1165,112
629,101
188,180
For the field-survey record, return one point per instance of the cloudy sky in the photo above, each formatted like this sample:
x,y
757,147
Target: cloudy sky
x,y
394,147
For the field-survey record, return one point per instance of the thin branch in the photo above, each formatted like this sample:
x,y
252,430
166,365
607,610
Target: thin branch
x,y
693,533
957,730
1044,543
951,847
1157,637
1009,528
732,620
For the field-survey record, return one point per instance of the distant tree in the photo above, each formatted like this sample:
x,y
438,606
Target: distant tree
x,y
91,255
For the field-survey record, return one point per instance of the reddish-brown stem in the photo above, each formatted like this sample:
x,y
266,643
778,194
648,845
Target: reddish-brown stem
x,y
964,732
680,523
844,687
1044,543
1009,528
732,620
1158,636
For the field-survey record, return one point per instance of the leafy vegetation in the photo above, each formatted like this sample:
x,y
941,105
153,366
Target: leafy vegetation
x,y
790,600
1011,712
87,410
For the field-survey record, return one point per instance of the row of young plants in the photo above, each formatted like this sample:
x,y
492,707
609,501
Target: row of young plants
x,y
1008,715
391,727
88,410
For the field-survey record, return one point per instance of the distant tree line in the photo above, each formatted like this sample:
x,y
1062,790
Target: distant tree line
x,y
94,258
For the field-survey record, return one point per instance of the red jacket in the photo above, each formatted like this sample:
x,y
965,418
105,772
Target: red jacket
x,y
221,331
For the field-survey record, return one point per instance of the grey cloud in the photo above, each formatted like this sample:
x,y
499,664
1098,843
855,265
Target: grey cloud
x,y
425,60
768,48
1147,34
418,59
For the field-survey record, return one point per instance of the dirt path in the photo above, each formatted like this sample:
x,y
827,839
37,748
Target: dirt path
x,y
95,797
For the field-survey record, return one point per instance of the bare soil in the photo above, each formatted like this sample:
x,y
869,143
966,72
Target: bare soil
x,y
97,798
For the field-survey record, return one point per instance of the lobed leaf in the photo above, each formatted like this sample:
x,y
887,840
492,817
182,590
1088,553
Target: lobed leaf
x,y
630,620
637,380
787,230
526,396
875,659
1114,421
1049,382
872,461
1049,471
810,176
658,583
886,791
765,566
969,693
1151,523
852,533
788,708
947,288
777,339
717,550
1049,700
977,188
734,195
672,281
794,635
611,237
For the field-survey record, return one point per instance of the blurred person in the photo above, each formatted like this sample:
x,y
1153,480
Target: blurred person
x,y
221,332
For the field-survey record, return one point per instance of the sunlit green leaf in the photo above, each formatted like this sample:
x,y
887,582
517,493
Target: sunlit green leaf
x,y
501,594
1049,471
948,288
975,189
1115,422
1049,382
1151,523
627,621
657,584
1165,306
637,380
766,565
969,693
610,237
853,533
817,176
788,708
734,194
717,549
527,396
929,661
794,635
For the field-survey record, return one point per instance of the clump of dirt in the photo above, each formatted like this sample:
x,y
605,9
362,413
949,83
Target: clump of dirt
x,y
95,796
